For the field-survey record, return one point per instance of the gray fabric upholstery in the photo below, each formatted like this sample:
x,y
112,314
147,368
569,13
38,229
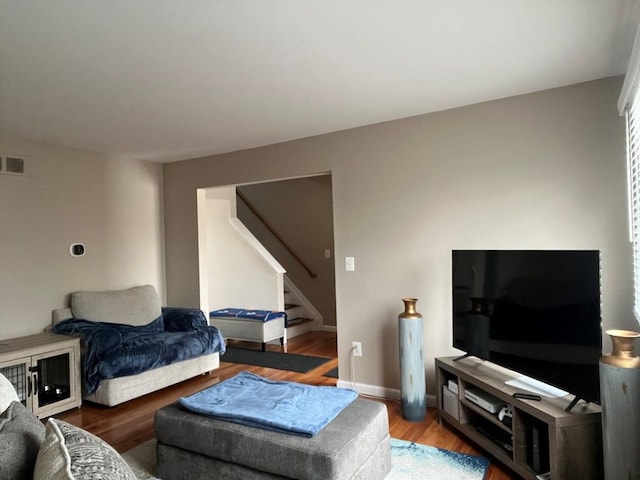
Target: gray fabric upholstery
x,y
114,391
60,314
356,438
69,452
134,306
180,464
21,434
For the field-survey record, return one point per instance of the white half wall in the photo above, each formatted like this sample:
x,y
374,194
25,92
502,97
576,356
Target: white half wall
x,y
240,272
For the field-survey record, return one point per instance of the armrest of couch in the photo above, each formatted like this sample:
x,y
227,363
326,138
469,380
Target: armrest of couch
x,y
181,319
60,314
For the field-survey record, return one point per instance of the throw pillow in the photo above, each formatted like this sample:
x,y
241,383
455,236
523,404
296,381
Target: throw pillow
x,y
71,453
7,393
21,434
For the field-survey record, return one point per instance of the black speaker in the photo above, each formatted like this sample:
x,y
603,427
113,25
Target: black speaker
x,y
538,447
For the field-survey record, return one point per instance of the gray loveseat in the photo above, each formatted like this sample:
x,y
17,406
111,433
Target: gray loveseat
x,y
145,347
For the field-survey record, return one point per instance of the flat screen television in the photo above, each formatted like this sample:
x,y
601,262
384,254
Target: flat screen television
x,y
536,312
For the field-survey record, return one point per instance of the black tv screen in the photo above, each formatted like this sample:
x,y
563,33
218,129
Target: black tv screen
x,y
536,312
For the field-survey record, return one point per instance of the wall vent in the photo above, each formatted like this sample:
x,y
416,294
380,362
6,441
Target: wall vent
x,y
11,165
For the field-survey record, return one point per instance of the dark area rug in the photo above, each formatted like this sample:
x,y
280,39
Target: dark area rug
x,y
282,361
333,373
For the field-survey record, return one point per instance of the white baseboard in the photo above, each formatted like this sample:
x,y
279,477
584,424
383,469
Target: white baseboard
x,y
329,328
373,390
380,392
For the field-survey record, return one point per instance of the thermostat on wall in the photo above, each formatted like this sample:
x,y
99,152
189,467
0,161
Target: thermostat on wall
x,y
77,249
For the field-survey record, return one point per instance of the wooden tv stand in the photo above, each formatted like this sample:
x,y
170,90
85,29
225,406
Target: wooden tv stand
x,y
570,442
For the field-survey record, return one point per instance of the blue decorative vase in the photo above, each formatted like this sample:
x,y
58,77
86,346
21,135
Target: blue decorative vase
x,y
412,375
620,398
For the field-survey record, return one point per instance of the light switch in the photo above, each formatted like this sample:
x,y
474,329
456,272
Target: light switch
x,y
350,264
327,253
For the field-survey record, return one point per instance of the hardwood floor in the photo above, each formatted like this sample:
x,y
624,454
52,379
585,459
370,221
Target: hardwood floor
x,y
130,424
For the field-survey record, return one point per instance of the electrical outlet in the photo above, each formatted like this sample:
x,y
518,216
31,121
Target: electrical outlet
x,y
357,349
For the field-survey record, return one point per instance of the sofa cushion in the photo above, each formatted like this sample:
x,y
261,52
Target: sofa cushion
x,y
21,434
134,306
7,393
71,453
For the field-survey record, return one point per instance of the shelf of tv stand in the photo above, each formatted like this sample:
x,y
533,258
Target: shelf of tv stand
x,y
574,438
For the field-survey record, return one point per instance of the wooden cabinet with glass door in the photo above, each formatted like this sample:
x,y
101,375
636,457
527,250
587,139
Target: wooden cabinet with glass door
x,y
45,371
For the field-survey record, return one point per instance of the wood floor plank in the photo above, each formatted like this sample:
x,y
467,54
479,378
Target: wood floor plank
x,y
130,424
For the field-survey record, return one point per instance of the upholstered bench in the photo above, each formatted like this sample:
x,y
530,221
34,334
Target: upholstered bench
x,y
250,325
355,445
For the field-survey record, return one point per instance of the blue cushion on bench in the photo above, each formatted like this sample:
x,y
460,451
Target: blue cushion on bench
x,y
257,315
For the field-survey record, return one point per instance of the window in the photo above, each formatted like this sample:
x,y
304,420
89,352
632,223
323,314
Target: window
x,y
629,106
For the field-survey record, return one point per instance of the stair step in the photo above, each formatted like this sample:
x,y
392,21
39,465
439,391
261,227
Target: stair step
x,y
298,321
289,306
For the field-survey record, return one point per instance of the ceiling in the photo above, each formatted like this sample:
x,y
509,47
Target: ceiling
x,y
166,80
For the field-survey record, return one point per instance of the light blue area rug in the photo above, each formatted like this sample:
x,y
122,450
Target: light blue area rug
x,y
412,461
409,461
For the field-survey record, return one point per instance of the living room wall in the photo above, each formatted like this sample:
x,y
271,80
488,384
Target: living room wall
x,y
538,171
113,206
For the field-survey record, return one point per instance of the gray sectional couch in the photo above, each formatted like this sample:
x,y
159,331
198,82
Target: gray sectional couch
x,y
31,450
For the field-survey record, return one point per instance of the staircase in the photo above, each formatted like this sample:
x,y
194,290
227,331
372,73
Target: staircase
x,y
217,213
302,317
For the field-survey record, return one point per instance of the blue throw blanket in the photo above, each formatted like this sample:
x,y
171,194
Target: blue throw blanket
x,y
285,407
115,350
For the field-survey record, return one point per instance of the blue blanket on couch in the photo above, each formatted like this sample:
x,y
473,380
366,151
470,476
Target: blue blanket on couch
x,y
115,350
285,407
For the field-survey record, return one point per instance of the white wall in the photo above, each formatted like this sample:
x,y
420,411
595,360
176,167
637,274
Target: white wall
x,y
113,206
135,228
538,171
237,274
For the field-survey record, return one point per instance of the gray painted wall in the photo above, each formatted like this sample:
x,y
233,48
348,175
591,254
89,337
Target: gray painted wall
x,y
113,206
545,170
